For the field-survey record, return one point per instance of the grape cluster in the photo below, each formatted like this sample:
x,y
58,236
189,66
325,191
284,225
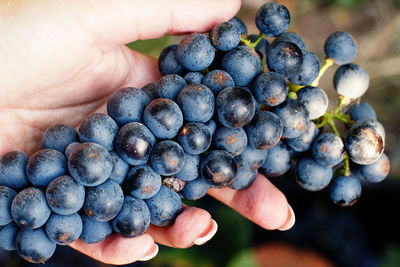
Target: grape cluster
x,y
214,119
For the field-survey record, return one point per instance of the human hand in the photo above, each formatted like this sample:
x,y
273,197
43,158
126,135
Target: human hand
x,y
61,61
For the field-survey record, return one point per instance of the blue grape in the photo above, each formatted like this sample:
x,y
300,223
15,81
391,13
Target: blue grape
x,y
64,229
377,171
133,219
351,80
70,148
278,160
231,140
44,166
265,130
244,178
150,90
262,47
90,164
361,111
285,58
328,149
212,126
168,62
65,196
12,170
142,182
195,189
291,37
120,168
195,52
94,231
341,47
103,202
127,105
29,208
6,197
312,176
309,70
241,25
196,102
190,169
294,117
270,89
345,191
242,64
251,158
235,107
217,80
195,138
167,157
34,245
163,117
315,100
194,77
100,129
219,168
304,141
164,207
134,143
272,19
364,142
8,234
225,36
169,86
58,137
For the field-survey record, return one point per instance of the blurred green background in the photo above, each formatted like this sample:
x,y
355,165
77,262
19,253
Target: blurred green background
x,y
366,234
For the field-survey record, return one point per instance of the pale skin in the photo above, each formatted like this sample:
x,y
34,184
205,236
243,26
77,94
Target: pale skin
x,y
61,60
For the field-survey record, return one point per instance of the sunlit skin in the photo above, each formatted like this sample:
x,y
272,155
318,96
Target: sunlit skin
x,y
61,60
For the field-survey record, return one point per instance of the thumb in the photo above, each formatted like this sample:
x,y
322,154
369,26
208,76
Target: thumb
x,y
124,21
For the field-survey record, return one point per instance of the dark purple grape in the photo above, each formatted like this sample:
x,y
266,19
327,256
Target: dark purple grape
x,y
150,90
103,202
291,37
163,117
351,80
94,231
285,58
195,138
58,137
217,80
194,77
312,176
134,143
169,86
90,164
265,130
167,158
328,149
251,158
231,140
12,170
190,169
360,111
164,207
277,161
304,141
133,219
345,191
219,168
70,148
341,47
235,107
309,70
272,19
8,234
270,89
120,168
195,52
127,105
100,129
238,22
225,36
29,208
195,189
377,171
142,182
6,197
212,126
244,178
314,99
34,246
168,62
196,102
64,229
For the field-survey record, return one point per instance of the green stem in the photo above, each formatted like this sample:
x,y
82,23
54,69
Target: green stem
x,y
331,123
346,167
260,38
328,62
244,40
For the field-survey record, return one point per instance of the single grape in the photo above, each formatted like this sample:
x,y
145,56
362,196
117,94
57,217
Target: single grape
x,y
240,24
100,129
34,245
190,169
12,170
70,148
231,140
351,80
328,149
58,137
120,168
291,37
251,158
315,100
64,229
304,141
225,36
244,178
270,88
217,80
6,197
277,161
168,62
345,191
150,90
212,126
309,70
8,234
195,138
167,157
377,171
361,111
272,19
194,77
195,52
312,176
94,231
341,47
195,189
285,58
169,86
265,130
142,182
127,105
219,168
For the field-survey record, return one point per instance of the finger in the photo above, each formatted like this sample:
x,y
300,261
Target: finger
x,y
119,250
261,203
192,226
124,21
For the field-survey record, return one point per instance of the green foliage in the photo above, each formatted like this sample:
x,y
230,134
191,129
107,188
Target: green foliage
x,y
150,47
391,257
245,258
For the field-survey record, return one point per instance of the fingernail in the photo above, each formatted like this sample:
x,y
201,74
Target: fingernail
x,y
152,254
201,240
290,221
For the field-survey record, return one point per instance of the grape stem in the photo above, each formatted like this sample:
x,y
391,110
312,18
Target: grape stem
x,y
328,62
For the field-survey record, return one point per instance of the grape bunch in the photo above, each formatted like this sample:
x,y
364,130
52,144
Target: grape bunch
x,y
228,105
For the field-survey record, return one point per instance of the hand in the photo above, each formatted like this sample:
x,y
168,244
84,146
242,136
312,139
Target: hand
x,y
61,60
